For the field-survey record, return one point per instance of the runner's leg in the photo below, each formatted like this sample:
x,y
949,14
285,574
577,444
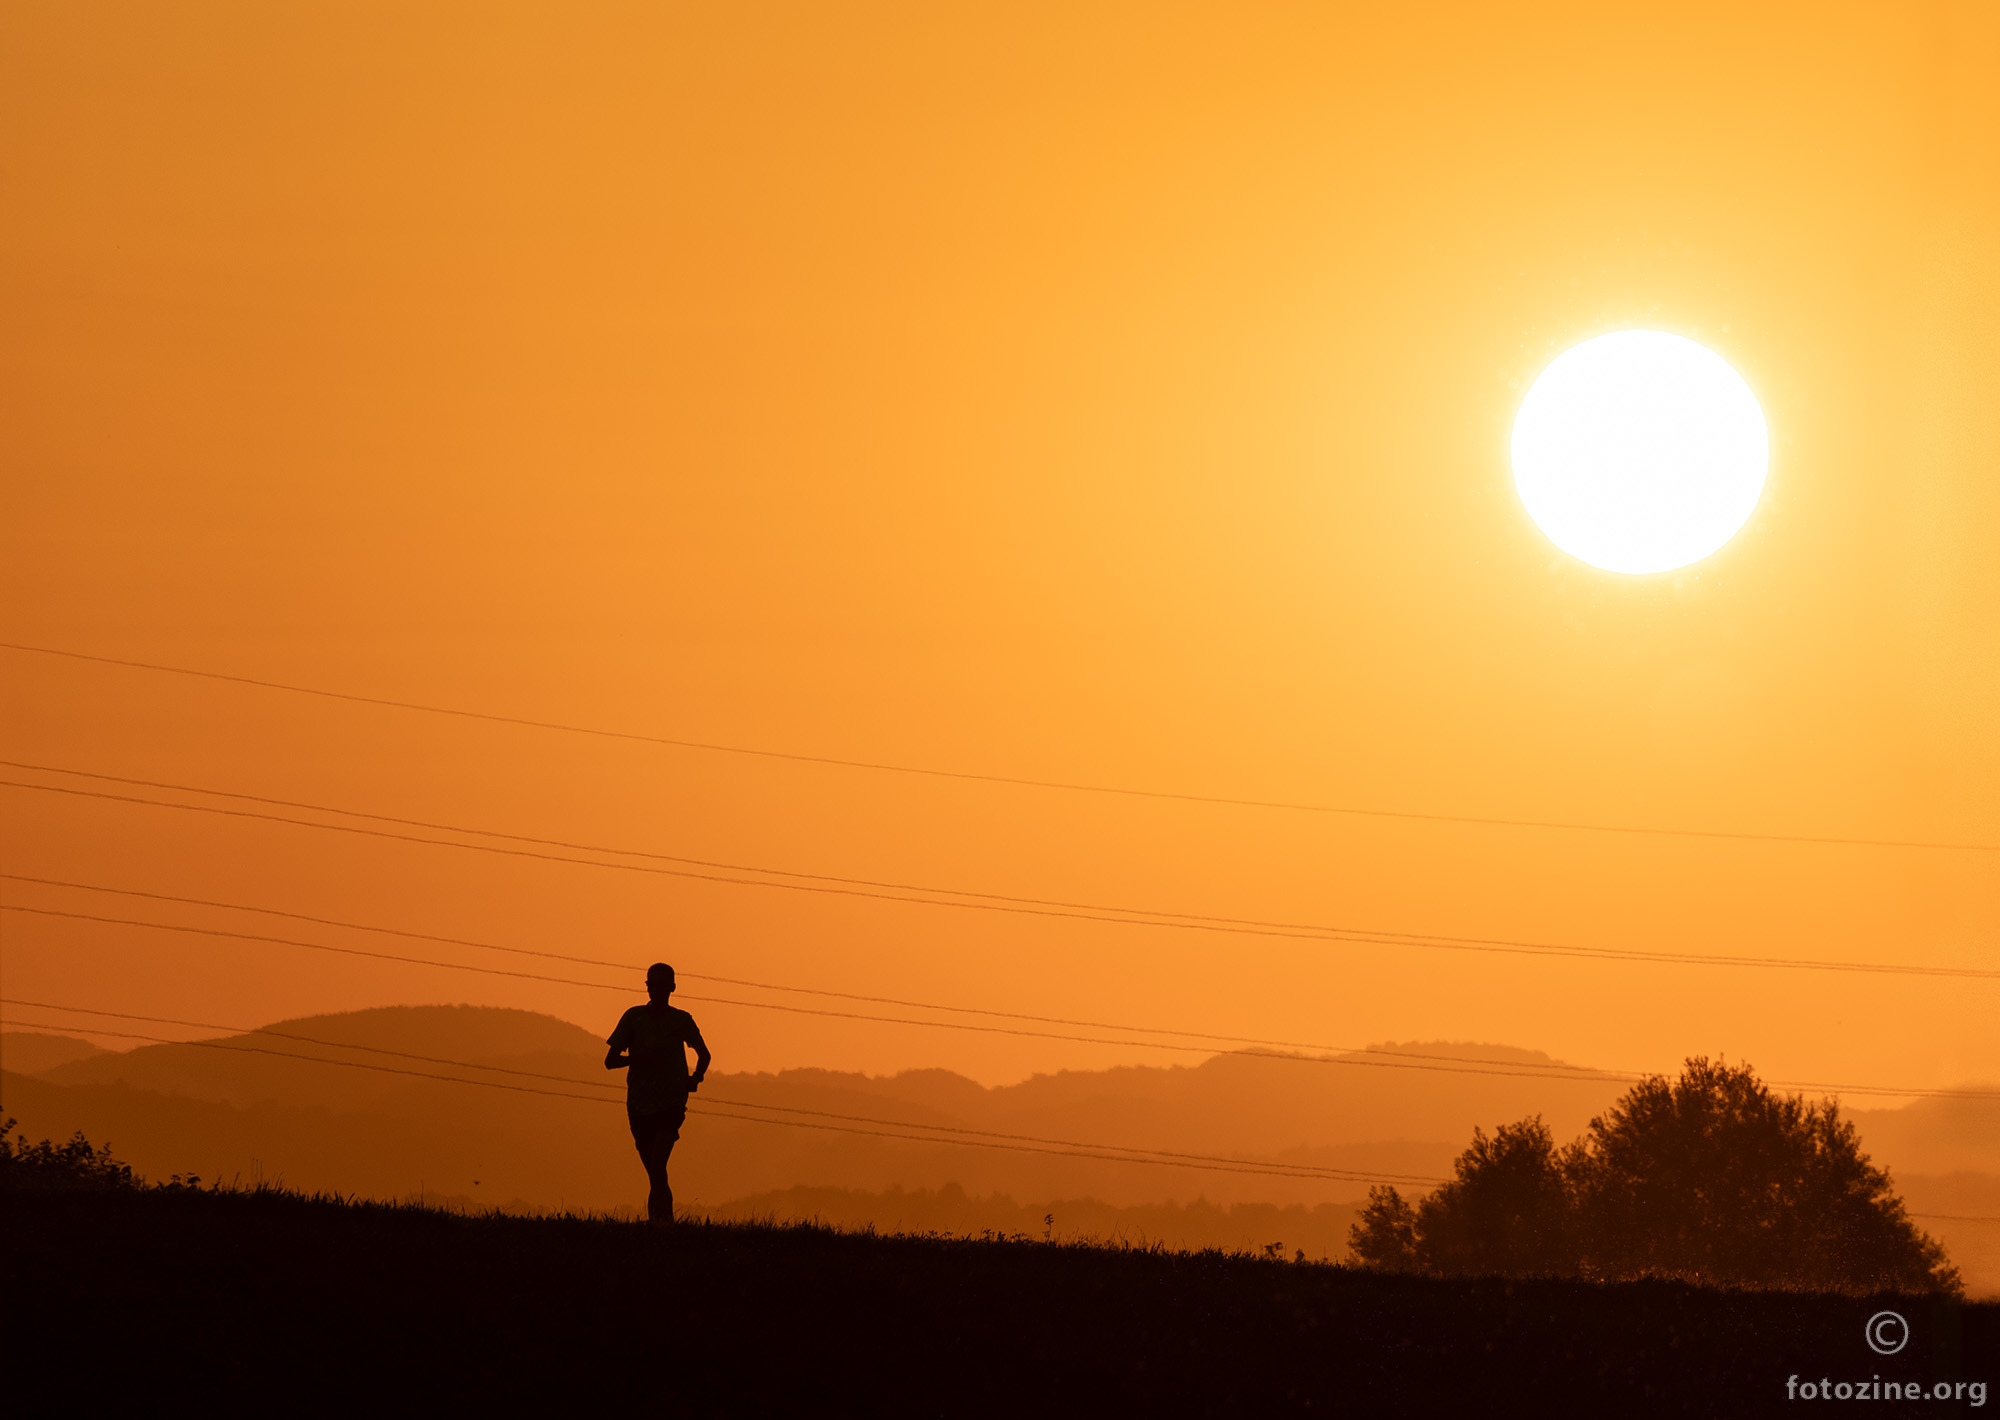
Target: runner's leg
x,y
645,1134
655,1135
668,1134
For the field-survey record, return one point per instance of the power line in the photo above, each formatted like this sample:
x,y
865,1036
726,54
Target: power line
x,y
596,1084
292,1036
1512,1073
938,1134
310,946
979,778
979,897
357,926
1580,1071
1143,914
309,1059
757,985
1393,1059
966,899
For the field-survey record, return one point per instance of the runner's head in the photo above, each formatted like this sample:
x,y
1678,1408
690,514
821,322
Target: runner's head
x,y
659,981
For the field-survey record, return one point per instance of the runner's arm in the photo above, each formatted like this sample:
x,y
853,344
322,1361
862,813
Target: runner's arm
x,y
700,1053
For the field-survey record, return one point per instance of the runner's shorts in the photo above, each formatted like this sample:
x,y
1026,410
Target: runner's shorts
x,y
658,1131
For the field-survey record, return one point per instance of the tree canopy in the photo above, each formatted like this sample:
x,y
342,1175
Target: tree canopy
x,y
1709,1177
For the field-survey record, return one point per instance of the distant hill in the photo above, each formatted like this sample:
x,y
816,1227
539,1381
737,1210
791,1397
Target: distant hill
x,y
1260,1102
259,1069
1941,1134
249,1107
539,1149
244,1106
28,1052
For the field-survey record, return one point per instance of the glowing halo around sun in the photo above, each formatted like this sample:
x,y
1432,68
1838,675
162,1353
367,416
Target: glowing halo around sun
x,y
1640,451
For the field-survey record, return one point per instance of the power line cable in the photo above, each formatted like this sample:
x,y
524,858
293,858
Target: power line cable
x,y
1530,1072
1582,1071
1147,915
757,985
309,1059
1140,914
970,776
1394,1060
940,1134
309,946
966,899
301,1039
1305,1170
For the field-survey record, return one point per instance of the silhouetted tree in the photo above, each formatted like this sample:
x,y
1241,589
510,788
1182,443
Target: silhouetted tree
x,y
1714,1177
1710,1177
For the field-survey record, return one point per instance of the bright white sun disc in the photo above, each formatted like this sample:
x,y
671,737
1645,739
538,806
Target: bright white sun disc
x,y
1640,451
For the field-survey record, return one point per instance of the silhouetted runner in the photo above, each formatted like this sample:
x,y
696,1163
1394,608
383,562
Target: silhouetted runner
x,y
651,1040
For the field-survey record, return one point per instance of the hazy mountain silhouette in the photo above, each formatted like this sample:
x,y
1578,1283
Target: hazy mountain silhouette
x,y
484,1035
1252,1106
1942,1134
1248,1102
29,1052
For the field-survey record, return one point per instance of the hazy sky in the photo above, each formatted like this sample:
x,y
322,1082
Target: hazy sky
x,y
1109,393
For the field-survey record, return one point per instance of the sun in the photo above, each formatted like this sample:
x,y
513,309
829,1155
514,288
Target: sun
x,y
1640,451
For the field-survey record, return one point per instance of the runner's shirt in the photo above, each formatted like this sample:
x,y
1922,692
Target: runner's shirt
x,y
657,1078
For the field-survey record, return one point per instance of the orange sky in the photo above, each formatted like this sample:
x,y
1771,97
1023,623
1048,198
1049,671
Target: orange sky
x,y
1117,396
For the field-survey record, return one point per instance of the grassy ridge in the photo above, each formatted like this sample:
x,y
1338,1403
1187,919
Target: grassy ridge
x,y
1320,1233
263,1301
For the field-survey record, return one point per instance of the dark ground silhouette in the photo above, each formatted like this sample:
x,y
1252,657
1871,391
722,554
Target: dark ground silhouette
x,y
264,1301
1320,1233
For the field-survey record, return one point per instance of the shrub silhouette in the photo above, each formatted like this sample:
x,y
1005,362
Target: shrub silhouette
x,y
48,1165
1709,1177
